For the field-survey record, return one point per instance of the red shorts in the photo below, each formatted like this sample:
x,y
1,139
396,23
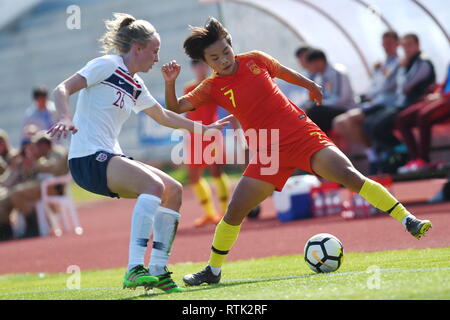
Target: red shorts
x,y
203,151
296,155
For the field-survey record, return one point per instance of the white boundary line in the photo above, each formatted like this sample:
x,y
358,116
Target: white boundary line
x,y
336,274
59,290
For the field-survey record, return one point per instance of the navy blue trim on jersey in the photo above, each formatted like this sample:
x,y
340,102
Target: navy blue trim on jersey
x,y
121,83
90,172
123,70
137,94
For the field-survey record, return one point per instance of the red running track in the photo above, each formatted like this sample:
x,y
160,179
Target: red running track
x,y
104,243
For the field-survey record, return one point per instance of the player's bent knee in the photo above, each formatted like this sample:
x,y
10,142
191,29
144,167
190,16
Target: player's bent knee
x,y
153,187
174,192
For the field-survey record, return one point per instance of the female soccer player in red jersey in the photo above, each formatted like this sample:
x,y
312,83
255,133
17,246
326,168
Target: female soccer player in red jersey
x,y
243,85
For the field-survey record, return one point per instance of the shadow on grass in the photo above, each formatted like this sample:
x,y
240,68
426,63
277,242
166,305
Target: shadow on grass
x,y
225,284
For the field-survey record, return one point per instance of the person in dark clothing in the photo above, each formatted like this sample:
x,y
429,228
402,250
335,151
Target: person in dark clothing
x,y
415,77
382,91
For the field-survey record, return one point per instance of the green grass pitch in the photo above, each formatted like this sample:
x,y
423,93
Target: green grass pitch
x,y
404,274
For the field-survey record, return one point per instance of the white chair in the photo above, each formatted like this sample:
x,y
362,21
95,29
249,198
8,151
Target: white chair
x,y
67,211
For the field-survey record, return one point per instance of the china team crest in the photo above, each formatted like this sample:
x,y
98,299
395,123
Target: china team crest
x,y
253,67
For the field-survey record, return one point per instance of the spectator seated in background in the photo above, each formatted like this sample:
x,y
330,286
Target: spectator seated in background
x,y
37,160
302,58
51,158
382,91
434,109
337,90
42,113
414,79
6,152
16,177
296,94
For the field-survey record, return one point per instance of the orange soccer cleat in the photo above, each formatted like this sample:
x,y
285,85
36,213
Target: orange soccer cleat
x,y
207,219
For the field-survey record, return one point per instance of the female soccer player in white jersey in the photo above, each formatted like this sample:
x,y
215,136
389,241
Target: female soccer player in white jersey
x,y
109,90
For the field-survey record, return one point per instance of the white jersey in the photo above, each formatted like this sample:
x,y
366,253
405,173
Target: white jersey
x,y
105,104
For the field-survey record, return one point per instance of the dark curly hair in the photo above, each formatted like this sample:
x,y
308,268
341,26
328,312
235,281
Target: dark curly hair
x,y
202,37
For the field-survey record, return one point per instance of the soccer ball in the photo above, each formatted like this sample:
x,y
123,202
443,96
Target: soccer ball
x,y
324,253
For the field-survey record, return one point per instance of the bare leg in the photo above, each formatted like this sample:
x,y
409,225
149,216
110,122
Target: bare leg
x,y
130,178
333,165
248,194
173,190
159,200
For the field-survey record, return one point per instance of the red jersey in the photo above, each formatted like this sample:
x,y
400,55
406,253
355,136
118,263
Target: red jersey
x,y
253,97
207,114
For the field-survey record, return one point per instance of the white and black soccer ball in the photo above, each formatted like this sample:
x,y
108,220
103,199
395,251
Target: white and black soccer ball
x,y
324,253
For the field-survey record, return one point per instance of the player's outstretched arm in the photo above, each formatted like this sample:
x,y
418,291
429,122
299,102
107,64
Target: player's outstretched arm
x,y
291,76
240,133
170,119
170,73
61,94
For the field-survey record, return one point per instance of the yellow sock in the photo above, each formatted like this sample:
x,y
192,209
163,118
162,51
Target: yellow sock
x,y
382,199
204,195
223,191
224,239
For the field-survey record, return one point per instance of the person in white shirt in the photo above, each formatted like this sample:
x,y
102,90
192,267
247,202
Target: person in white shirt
x,y
41,113
109,90
337,90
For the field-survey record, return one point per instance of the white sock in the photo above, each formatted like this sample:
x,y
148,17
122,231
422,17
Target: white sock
x,y
141,228
215,270
405,218
164,230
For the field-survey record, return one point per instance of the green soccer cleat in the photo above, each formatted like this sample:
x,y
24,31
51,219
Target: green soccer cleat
x,y
138,277
416,227
165,283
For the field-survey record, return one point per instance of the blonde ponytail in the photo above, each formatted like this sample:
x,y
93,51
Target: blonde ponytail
x,y
123,31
